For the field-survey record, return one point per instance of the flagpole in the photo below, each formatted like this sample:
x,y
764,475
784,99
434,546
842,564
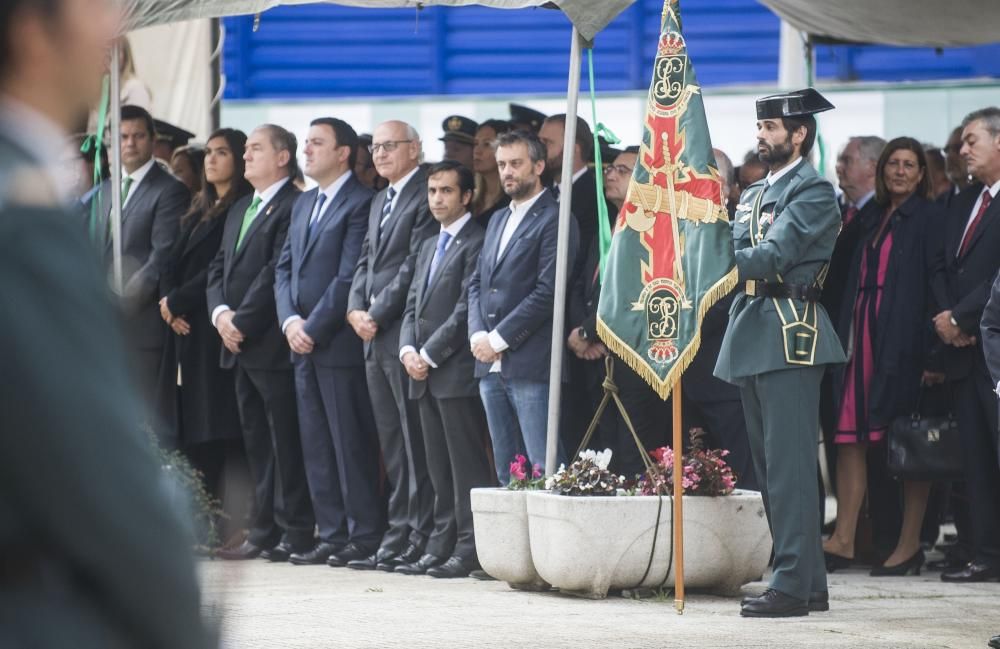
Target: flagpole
x,y
562,257
678,540
114,108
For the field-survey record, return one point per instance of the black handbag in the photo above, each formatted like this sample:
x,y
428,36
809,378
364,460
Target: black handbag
x,y
925,448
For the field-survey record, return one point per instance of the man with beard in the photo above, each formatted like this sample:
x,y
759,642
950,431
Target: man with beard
x,y
511,297
780,339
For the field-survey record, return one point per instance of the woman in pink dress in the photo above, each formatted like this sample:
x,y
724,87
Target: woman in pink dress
x,y
887,337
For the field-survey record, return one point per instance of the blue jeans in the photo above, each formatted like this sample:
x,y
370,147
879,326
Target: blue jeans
x,y
517,413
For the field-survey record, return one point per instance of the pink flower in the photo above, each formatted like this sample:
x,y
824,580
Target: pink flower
x,y
536,471
517,470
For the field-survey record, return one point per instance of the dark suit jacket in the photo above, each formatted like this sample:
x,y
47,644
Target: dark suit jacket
x,y
208,411
436,316
990,328
67,403
314,274
841,261
514,294
584,208
903,328
150,225
963,284
244,280
387,260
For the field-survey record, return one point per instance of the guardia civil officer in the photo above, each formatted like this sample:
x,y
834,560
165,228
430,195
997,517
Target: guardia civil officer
x,y
779,339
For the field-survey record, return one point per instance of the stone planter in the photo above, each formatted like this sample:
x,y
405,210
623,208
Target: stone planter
x,y
587,545
500,520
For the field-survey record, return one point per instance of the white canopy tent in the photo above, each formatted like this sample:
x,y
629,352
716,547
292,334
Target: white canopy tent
x,y
919,23
588,17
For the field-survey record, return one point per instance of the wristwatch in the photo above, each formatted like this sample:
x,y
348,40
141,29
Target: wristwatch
x,y
954,322
580,331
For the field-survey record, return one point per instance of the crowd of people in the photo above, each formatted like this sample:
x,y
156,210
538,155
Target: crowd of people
x,y
377,346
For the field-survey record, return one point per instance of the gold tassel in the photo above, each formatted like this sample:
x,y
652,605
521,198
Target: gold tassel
x,y
664,387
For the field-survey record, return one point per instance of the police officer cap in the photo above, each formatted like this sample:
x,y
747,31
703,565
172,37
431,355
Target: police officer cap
x,y
174,135
459,129
792,104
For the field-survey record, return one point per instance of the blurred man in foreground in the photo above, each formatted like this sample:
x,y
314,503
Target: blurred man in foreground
x,y
92,555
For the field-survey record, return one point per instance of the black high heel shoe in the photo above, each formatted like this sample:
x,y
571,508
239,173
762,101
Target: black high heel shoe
x,y
835,562
913,564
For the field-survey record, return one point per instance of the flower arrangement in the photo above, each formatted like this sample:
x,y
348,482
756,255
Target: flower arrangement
x,y
587,476
704,473
522,477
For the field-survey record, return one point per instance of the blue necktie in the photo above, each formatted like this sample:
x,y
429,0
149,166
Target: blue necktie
x,y
443,240
387,208
317,212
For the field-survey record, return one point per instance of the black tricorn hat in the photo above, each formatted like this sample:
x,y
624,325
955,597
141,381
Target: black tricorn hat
x,y
175,135
792,104
527,116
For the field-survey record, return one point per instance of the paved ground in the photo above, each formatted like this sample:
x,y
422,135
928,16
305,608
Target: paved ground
x,y
279,606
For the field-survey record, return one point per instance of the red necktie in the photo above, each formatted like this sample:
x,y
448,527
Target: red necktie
x,y
983,206
849,215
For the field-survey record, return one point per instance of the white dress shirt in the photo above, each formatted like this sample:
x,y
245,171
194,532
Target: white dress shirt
x,y
452,230
576,176
330,192
400,185
136,177
517,213
266,197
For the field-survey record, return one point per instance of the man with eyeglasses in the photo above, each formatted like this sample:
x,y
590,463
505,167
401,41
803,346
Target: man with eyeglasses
x,y
398,223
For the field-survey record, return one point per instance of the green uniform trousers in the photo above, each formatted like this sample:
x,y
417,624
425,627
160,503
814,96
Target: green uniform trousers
x,y
782,414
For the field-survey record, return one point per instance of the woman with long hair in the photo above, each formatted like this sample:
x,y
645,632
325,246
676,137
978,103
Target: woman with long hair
x,y
206,420
490,196
888,335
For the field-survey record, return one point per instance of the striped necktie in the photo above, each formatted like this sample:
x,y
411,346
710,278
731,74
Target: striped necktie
x,y
387,208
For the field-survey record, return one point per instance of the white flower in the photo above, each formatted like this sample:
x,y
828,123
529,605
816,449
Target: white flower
x,y
603,458
588,455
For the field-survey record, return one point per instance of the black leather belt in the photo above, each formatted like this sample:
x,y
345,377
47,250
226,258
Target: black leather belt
x,y
783,291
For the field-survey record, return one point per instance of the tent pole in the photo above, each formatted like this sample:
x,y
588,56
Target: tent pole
x,y
114,109
562,256
678,540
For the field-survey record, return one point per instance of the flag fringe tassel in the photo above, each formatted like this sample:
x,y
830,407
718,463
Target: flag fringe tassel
x,y
664,387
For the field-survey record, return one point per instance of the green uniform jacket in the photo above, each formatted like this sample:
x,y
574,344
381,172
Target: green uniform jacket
x,y
798,226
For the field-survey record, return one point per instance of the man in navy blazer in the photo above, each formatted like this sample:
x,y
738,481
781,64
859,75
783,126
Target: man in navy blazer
x,y
511,298
312,282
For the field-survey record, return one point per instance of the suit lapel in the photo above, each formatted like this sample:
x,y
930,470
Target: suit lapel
x,y
494,248
262,216
522,227
232,232
453,251
406,197
985,223
300,221
136,198
331,214
956,225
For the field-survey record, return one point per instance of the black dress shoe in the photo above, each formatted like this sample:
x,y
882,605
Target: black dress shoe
x,y
972,573
948,564
994,642
774,603
420,566
316,556
453,568
913,564
279,553
411,554
244,551
819,600
351,552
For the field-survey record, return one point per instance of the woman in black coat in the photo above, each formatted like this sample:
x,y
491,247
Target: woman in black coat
x,y
205,416
888,334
